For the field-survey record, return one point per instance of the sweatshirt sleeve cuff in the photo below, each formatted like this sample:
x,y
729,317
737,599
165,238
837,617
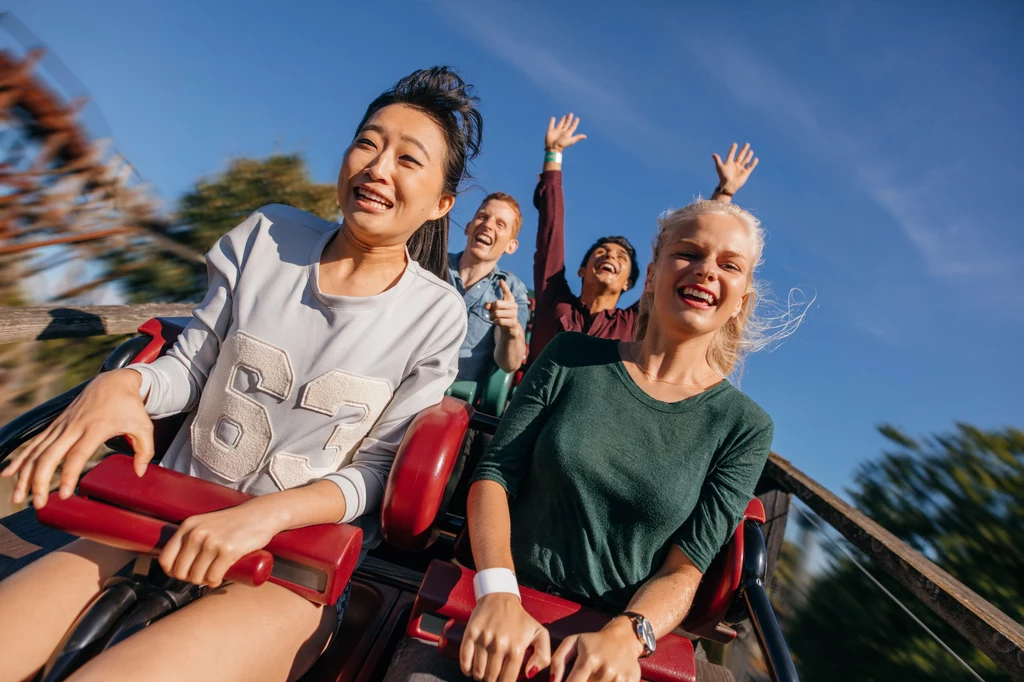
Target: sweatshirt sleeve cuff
x,y
147,379
354,492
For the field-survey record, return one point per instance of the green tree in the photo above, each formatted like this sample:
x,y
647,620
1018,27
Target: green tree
x,y
956,497
216,205
210,209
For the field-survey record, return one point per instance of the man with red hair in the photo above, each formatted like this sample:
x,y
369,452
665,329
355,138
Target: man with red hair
x,y
496,300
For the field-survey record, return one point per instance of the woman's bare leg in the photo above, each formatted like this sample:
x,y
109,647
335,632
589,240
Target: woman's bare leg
x,y
39,603
234,633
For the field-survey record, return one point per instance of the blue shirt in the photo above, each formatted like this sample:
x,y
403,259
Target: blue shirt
x,y
476,356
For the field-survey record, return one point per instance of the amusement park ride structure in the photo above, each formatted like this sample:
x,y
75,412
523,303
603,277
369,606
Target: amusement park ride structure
x,y
58,186
74,216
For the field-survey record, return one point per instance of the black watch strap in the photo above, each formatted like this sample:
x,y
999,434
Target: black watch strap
x,y
644,631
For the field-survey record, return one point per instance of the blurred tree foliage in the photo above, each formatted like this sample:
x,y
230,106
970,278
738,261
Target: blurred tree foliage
x,y
955,497
210,209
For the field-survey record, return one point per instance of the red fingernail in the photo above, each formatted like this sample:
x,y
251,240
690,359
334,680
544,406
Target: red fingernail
x,y
531,672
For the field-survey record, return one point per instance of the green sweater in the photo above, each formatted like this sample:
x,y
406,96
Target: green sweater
x,y
601,477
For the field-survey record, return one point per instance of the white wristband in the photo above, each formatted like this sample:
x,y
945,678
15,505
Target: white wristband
x,y
553,156
492,580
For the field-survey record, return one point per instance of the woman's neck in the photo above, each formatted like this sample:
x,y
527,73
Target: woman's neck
x,y
673,361
351,267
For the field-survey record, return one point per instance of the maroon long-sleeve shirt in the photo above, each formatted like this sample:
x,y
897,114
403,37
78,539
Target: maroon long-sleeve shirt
x,y
557,308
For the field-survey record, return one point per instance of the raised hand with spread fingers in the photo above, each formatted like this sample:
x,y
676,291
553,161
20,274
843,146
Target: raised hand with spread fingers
x,y
734,171
560,136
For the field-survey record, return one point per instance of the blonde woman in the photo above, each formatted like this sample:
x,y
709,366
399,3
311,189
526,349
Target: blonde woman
x,y
621,468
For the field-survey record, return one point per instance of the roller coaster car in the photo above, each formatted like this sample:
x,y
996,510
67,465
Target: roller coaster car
x,y
409,585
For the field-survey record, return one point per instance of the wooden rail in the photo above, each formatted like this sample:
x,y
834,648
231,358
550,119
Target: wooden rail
x,y
38,324
985,626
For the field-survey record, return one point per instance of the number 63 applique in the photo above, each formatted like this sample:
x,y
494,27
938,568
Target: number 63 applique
x,y
232,433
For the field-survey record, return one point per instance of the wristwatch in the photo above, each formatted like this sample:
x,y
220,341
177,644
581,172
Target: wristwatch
x,y
644,632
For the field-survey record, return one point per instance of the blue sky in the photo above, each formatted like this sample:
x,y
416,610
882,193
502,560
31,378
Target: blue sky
x,y
889,138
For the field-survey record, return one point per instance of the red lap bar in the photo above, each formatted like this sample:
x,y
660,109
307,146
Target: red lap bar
x,y
136,533
447,591
315,562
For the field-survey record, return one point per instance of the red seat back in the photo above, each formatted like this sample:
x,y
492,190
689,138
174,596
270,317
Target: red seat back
x,y
419,480
720,584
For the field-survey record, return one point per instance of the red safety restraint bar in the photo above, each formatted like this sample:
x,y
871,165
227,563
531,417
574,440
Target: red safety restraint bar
x,y
316,562
447,592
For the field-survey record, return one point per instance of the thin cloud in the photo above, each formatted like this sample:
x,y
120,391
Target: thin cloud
x,y
497,30
752,82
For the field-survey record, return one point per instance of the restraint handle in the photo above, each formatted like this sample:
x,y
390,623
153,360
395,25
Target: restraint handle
x,y
137,533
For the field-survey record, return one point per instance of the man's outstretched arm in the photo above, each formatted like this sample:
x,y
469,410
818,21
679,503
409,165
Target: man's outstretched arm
x,y
549,258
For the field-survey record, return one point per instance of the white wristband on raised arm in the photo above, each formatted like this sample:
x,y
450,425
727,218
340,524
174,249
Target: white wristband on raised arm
x,y
492,580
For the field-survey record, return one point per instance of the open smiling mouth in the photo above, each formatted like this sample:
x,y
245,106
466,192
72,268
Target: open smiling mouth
x,y
607,267
698,298
371,201
485,239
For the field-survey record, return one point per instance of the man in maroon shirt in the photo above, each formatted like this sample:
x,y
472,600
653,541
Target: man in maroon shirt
x,y
609,267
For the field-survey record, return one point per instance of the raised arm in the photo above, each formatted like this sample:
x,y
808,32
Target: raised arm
x,y
551,289
733,172
560,136
549,258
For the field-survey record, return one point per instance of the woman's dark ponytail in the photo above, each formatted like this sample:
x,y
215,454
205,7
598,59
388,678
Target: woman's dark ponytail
x,y
440,93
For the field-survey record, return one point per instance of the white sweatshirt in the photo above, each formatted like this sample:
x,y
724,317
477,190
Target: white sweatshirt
x,y
295,385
